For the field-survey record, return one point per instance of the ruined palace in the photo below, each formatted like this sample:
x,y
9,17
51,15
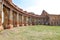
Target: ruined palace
x,y
13,16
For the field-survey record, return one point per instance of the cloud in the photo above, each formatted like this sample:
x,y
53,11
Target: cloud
x,y
51,6
35,9
36,6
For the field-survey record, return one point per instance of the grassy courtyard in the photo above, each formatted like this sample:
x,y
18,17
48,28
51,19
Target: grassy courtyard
x,y
38,32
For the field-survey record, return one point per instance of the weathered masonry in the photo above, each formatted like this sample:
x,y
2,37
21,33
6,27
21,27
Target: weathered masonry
x,y
13,16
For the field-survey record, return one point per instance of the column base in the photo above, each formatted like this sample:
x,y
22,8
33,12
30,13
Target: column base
x,y
22,24
26,24
10,26
1,28
17,25
31,24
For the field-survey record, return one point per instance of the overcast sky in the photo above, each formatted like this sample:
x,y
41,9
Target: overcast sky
x,y
36,6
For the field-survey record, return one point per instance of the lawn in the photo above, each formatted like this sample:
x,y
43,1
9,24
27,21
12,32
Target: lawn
x,y
38,32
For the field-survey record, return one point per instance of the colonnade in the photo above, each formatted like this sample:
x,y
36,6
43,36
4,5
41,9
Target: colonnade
x,y
13,18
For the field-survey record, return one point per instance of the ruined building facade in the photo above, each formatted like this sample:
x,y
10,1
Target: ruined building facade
x,y
13,16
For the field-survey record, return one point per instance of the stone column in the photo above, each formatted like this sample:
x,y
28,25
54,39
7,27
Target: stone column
x,y
17,19
14,19
38,21
31,20
10,25
35,21
1,10
42,21
22,20
26,21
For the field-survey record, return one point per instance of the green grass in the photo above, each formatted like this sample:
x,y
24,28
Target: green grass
x,y
38,32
